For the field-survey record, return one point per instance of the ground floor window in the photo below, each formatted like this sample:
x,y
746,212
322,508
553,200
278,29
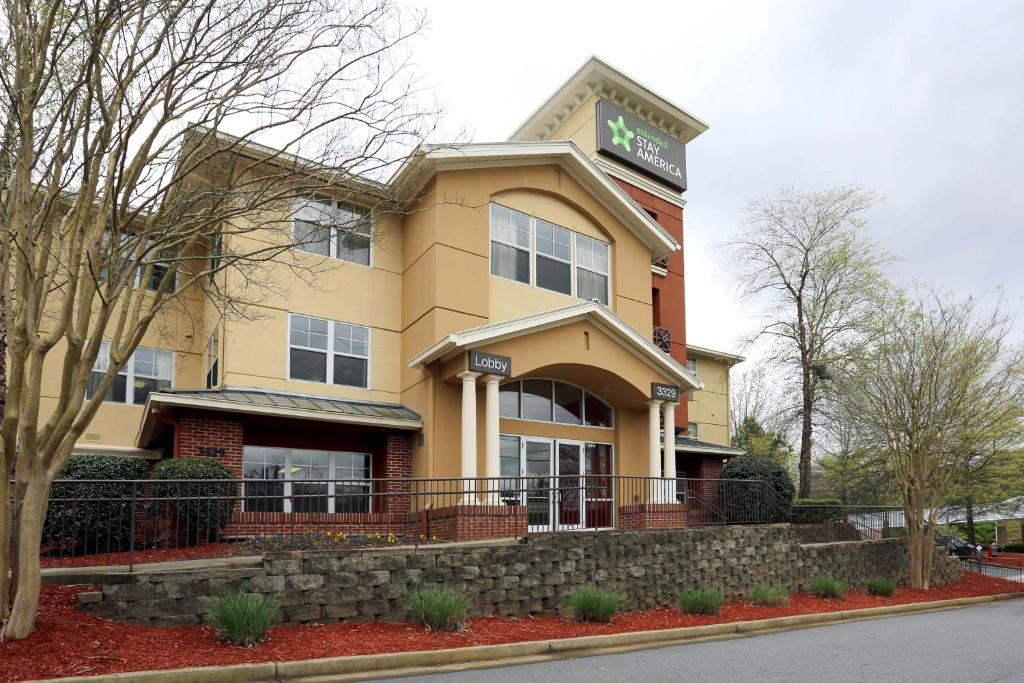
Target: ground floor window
x,y
305,480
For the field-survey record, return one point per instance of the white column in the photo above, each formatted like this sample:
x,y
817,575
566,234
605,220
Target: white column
x,y
468,436
669,455
653,447
492,439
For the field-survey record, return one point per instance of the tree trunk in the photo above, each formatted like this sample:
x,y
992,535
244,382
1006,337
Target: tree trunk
x,y
916,541
5,474
31,515
804,490
971,535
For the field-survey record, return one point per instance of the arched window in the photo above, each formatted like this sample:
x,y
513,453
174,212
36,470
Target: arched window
x,y
547,400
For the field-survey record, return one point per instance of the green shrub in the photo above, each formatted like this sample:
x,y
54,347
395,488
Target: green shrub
x,y
594,604
747,502
200,508
440,609
706,602
1013,548
770,596
89,517
827,588
242,618
817,510
882,587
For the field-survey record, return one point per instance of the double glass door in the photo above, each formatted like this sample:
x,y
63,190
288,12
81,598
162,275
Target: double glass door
x,y
553,483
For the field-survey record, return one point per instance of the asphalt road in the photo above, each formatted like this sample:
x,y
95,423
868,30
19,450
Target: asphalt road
x,y
984,643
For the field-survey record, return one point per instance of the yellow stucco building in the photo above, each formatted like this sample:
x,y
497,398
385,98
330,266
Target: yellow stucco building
x,y
535,327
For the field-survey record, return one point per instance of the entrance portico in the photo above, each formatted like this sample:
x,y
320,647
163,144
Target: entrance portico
x,y
583,395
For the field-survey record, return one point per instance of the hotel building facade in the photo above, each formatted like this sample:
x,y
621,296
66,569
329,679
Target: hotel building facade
x,y
535,327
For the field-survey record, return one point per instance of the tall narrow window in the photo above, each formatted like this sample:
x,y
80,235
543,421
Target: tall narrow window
x,y
591,269
213,361
691,365
510,244
554,257
693,431
328,352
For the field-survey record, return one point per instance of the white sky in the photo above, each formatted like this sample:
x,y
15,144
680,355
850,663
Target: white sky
x,y
922,102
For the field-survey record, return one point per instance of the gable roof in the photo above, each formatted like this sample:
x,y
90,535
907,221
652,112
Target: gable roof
x,y
564,153
600,78
590,311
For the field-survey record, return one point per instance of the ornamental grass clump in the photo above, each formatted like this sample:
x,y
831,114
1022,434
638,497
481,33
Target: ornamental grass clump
x,y
440,609
770,596
243,618
882,587
594,604
704,602
827,588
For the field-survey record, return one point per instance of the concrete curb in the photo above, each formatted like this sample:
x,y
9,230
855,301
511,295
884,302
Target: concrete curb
x,y
362,667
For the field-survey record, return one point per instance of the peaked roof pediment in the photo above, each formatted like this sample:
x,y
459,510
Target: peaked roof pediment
x,y
597,77
591,311
565,154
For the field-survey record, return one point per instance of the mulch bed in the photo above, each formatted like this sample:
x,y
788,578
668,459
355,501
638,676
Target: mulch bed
x,y
145,555
1007,559
68,642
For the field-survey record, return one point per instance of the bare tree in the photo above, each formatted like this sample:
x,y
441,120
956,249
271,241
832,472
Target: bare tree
x,y
935,381
756,394
804,257
126,202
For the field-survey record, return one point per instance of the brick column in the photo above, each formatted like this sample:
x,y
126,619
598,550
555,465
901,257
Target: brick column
x,y
197,433
398,464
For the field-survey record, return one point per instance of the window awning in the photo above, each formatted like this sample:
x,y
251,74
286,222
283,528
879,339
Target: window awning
x,y
685,444
277,404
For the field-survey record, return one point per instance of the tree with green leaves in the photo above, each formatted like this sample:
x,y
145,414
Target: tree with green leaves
x,y
805,258
756,440
936,380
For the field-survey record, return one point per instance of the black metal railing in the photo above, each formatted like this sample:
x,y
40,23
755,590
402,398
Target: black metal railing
x,y
132,522
989,568
832,523
662,337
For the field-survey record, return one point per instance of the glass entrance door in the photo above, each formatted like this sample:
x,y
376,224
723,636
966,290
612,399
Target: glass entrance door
x,y
537,457
568,499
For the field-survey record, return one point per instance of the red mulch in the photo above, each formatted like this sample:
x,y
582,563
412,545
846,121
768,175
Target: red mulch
x,y
1007,559
67,642
146,555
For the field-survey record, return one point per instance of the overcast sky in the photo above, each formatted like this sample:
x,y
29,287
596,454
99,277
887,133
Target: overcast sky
x,y
922,102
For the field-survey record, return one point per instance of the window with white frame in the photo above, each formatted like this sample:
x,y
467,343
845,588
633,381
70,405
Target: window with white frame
x,y
536,252
305,480
328,352
147,370
510,244
691,365
332,228
213,361
591,269
692,429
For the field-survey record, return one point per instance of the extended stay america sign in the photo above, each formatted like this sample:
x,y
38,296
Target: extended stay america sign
x,y
639,145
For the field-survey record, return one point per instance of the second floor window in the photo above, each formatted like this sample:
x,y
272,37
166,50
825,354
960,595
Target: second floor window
x,y
148,370
691,365
328,352
334,229
692,429
534,251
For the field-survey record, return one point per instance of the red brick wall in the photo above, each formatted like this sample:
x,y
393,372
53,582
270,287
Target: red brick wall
x,y
197,432
671,288
474,522
653,516
398,464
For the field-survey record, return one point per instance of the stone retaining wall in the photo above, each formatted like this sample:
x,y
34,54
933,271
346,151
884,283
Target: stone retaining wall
x,y
514,577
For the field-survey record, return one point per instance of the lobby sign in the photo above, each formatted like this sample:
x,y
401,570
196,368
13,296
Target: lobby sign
x,y
639,145
490,363
665,392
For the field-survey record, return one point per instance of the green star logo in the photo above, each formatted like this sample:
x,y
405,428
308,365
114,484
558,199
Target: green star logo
x,y
620,134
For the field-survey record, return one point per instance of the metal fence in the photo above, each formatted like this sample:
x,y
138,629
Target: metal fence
x,y
1000,571
833,523
105,522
